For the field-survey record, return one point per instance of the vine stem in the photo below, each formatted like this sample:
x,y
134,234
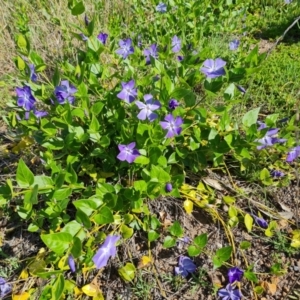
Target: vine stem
x,y
283,35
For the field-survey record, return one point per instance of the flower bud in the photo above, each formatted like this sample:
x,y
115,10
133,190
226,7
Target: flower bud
x,y
71,264
168,187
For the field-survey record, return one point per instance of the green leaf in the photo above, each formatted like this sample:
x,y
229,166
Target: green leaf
x,y
25,177
265,177
229,92
140,185
228,199
142,160
176,229
152,235
97,108
57,242
259,290
105,216
200,240
250,117
45,183
187,95
127,273
58,287
71,176
169,242
221,256
194,250
76,247
21,42
62,194
30,197
245,245
72,228
20,63
126,231
33,228
82,218
94,126
88,206
250,276
232,211
248,220
78,9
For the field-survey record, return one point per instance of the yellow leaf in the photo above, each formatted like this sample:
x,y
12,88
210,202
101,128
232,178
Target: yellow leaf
x,y
228,199
145,261
23,296
77,291
188,206
62,263
248,222
296,238
90,290
270,230
192,194
99,296
24,274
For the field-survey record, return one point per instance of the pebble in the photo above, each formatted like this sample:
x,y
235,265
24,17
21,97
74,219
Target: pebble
x,y
296,268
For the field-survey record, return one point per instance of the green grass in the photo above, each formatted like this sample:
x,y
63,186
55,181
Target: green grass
x,y
276,87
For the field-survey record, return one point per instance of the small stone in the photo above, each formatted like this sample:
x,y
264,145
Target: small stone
x,y
285,288
296,268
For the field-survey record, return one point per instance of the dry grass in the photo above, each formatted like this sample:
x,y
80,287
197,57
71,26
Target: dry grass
x,y
47,27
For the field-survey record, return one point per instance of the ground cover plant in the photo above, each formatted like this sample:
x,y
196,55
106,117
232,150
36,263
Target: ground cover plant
x,y
150,156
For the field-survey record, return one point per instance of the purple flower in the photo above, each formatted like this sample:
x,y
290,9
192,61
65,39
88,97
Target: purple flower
x,y
86,20
71,263
283,120
148,108
288,1
262,125
235,274
64,92
172,125
268,139
5,288
107,250
38,113
182,242
125,48
213,68
168,187
84,38
176,44
185,266
161,7
233,45
276,173
228,293
102,37
151,51
261,222
180,58
25,97
128,153
293,154
128,92
241,89
173,103
33,75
